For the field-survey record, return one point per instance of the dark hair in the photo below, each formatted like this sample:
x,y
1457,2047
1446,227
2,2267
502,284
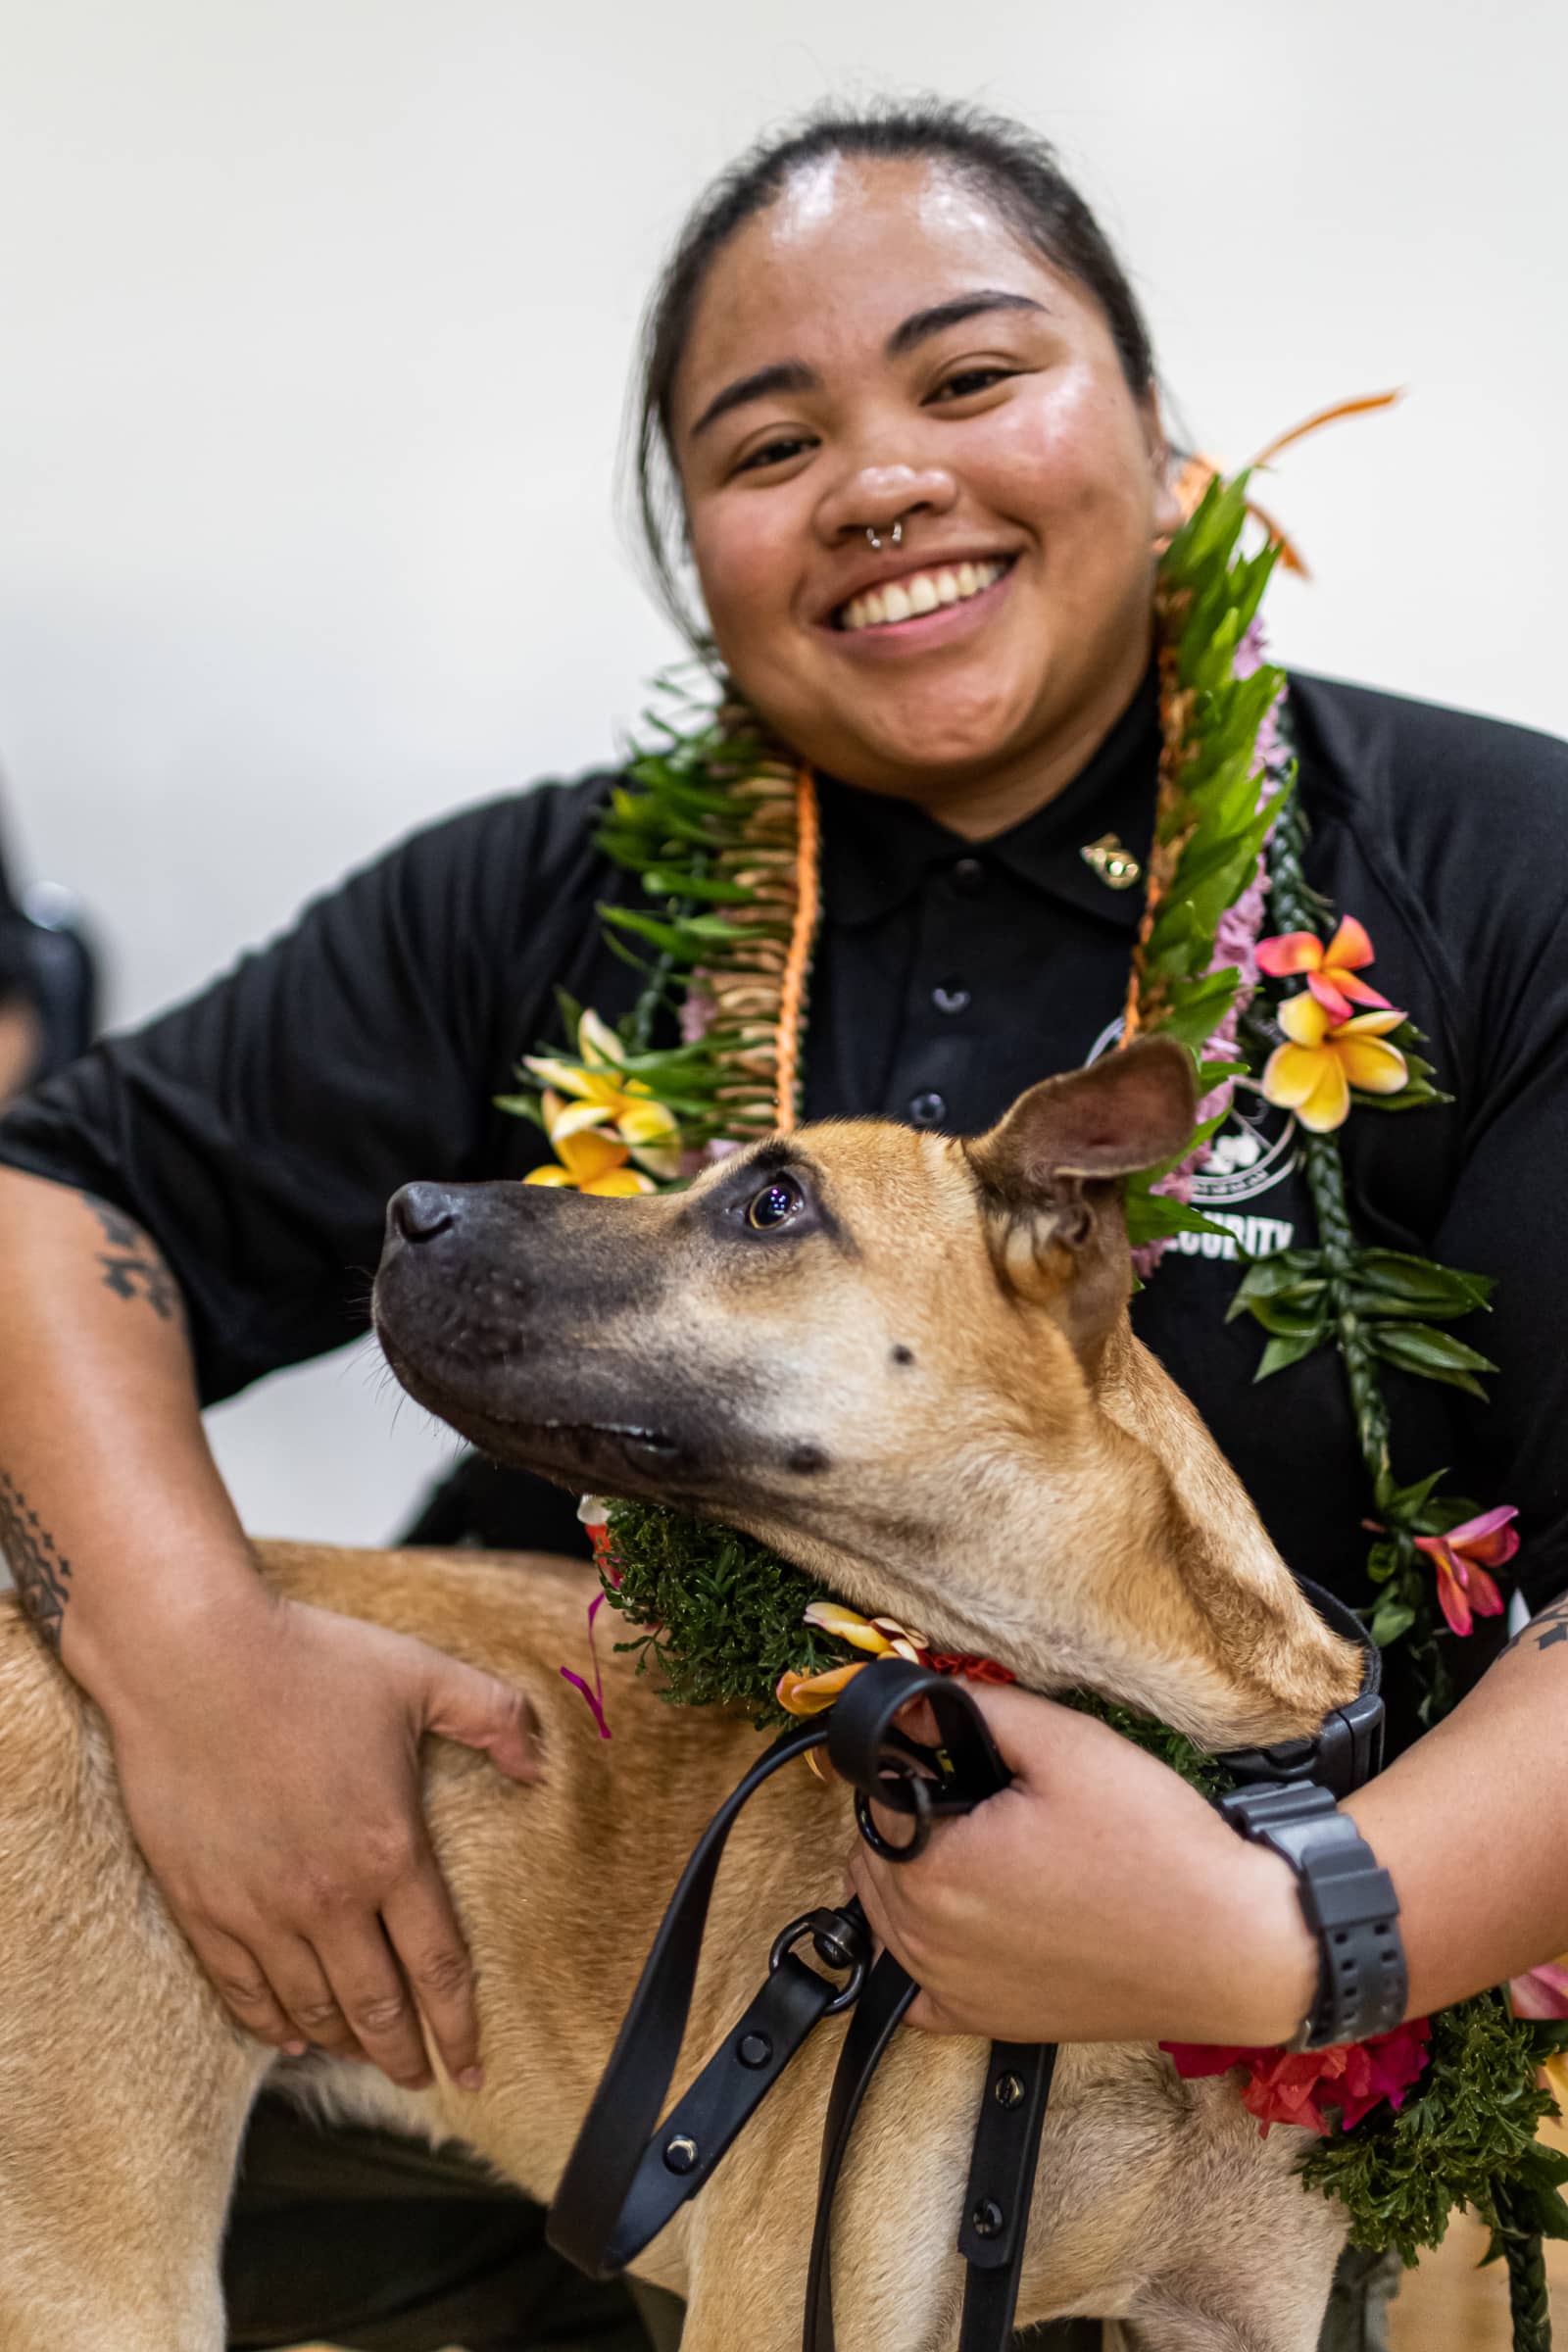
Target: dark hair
x,y
1016,168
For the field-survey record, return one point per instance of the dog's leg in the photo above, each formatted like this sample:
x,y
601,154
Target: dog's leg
x,y
122,2087
1266,2311
111,2216
114,2185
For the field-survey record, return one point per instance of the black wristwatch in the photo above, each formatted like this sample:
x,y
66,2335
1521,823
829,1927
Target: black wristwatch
x,y
1350,1904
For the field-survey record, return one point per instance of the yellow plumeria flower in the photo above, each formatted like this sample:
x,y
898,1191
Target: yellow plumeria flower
x,y
587,1161
1555,2070
1313,1071
882,1637
604,1098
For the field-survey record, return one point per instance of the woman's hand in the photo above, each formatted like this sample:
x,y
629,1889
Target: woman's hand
x,y
271,1779
1098,1898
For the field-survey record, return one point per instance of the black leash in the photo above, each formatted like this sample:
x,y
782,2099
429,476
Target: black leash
x,y
625,2179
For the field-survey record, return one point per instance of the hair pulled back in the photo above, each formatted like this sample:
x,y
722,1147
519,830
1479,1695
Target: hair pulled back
x,y
1014,167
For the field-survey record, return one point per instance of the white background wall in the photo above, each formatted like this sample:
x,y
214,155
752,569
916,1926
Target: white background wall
x,y
316,316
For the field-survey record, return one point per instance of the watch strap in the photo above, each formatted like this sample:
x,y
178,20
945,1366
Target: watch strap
x,y
1349,1902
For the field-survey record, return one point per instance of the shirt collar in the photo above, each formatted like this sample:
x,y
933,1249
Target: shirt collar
x,y
878,851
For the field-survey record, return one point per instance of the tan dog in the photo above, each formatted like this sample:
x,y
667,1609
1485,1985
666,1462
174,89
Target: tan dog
x,y
905,1362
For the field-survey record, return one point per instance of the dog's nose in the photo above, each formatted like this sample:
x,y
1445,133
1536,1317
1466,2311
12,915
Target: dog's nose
x,y
421,1211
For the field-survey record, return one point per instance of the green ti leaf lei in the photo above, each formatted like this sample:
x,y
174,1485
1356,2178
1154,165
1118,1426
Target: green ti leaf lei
x,y
707,823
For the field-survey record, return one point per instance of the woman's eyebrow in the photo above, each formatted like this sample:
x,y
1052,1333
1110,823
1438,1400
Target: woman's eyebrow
x,y
920,326
784,376
794,376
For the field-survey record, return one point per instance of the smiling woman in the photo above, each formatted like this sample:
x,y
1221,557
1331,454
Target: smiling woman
x,y
908,404
902,461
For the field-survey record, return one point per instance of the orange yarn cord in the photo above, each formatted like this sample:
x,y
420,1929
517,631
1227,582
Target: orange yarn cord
x,y
1311,424
797,964
1200,471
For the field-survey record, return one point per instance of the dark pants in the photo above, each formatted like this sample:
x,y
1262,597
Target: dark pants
x,y
380,2244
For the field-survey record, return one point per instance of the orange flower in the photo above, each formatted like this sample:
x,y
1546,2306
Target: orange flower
x,y
1313,1071
1462,1557
1330,971
881,1637
814,1693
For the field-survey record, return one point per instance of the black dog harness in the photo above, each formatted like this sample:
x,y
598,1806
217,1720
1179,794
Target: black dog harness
x,y
626,2180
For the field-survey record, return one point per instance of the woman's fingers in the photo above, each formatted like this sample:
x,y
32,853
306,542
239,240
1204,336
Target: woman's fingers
x,y
242,1984
423,1931
300,1983
368,1984
277,1797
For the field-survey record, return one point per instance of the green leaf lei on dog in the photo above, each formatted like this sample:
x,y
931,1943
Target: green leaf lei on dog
x,y
720,824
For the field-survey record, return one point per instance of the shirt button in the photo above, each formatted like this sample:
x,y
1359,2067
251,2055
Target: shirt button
x,y
950,998
928,1110
968,877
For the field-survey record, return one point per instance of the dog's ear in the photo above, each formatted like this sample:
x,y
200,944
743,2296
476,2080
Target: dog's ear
x,y
1129,1110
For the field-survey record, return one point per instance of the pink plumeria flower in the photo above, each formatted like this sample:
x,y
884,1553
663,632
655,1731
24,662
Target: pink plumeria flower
x,y
1541,1991
1330,971
1462,1558
1544,1992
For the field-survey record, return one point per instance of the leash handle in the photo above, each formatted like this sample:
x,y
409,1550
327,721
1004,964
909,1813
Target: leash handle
x,y
886,1766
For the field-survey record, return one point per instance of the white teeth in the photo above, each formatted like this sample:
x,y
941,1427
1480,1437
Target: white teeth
x,y
924,592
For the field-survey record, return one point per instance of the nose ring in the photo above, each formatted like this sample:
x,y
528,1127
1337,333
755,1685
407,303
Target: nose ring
x,y
896,535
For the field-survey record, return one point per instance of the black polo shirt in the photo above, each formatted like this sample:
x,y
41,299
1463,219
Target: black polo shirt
x,y
258,1130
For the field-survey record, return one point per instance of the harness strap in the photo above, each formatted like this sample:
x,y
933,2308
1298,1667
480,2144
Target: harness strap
x,y
678,2161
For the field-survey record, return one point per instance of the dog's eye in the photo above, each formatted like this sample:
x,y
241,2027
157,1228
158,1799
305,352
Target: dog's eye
x,y
774,1204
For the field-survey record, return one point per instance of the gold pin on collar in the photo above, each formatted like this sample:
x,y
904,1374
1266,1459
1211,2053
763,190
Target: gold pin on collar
x,y
1116,867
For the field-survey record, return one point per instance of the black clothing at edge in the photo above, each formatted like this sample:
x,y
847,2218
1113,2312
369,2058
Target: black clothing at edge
x,y
259,1129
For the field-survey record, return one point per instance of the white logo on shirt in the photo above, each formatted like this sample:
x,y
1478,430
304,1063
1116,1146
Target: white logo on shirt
x,y
1254,1151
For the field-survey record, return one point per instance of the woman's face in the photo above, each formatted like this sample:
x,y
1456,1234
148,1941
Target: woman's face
x,y
879,344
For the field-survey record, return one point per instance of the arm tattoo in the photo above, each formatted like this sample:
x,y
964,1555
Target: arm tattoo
x,y
133,1267
40,1570
1545,1631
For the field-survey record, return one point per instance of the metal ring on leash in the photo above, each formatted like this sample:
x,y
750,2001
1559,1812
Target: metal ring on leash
x,y
830,1932
918,1838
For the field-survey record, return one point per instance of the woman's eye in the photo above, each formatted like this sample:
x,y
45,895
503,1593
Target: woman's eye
x,y
972,380
774,1204
772,453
